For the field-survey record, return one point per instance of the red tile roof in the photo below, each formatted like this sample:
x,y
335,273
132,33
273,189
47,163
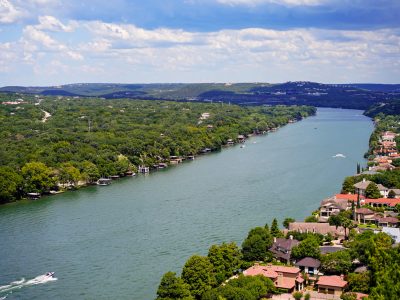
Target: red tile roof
x,y
387,201
350,197
334,280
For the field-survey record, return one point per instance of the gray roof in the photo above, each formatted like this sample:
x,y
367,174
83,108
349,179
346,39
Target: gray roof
x,y
308,262
362,185
283,247
330,249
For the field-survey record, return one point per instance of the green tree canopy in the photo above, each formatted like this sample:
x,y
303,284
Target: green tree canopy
x,y
307,248
198,273
287,221
275,231
37,177
173,287
255,246
336,263
10,184
226,259
372,191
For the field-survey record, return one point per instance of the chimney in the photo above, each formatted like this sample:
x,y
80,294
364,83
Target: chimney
x,y
274,239
291,237
342,276
363,180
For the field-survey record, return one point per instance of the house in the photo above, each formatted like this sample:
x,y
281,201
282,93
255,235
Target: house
x,y
364,215
309,265
362,186
282,248
383,202
321,228
387,221
241,138
332,285
286,278
388,136
332,206
394,233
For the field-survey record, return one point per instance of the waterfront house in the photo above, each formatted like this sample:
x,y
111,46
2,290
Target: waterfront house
x,y
388,136
383,202
282,248
321,228
285,278
241,138
332,206
332,285
364,215
386,221
309,265
362,186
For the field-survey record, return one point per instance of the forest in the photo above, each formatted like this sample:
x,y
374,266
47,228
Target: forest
x,y
52,142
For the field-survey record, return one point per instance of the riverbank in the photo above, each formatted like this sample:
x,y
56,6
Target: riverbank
x,y
298,256
114,235
92,138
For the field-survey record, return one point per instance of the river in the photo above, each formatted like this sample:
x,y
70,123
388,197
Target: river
x,y
115,242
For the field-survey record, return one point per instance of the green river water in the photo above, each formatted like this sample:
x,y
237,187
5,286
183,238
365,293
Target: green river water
x,y
115,242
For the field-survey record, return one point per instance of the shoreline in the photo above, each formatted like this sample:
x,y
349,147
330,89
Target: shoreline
x,y
153,170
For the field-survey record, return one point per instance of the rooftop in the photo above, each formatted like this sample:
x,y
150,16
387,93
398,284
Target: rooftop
x,y
308,262
333,280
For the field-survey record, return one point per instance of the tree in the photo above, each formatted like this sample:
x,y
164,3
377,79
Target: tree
x,y
198,274
359,282
372,191
89,171
255,246
287,221
391,194
297,295
358,168
275,232
69,174
226,259
348,296
307,248
311,219
173,287
348,185
37,177
336,263
10,185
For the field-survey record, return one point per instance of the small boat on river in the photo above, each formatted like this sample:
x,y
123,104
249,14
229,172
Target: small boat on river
x,y
104,181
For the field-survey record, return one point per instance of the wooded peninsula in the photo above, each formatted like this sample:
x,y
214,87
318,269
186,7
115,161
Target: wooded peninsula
x,y
54,143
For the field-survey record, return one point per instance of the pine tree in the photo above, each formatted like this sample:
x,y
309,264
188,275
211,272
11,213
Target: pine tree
x,y
275,232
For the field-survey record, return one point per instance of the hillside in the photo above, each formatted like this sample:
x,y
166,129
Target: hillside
x,y
359,96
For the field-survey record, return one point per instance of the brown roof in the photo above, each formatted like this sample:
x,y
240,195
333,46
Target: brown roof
x,y
364,211
335,281
282,247
322,228
308,262
390,220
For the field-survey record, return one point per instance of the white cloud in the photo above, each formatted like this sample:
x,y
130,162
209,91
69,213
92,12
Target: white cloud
x,y
9,13
125,52
280,2
51,23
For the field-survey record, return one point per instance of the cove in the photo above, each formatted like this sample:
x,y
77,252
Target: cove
x,y
116,242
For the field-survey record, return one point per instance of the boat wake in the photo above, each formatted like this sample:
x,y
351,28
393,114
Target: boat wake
x,y
6,290
339,155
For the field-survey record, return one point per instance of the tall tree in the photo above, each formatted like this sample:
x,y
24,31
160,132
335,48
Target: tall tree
x,y
287,221
37,177
198,274
255,246
226,259
173,287
372,191
275,231
10,184
307,248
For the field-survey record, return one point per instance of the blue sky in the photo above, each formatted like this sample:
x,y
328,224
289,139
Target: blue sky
x,y
51,42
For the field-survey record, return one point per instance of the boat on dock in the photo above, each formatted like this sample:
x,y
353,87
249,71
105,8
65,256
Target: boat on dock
x,y
104,181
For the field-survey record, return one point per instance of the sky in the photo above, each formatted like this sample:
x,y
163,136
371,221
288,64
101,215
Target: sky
x,y
53,42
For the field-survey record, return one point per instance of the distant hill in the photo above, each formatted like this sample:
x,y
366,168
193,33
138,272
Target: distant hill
x,y
360,96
